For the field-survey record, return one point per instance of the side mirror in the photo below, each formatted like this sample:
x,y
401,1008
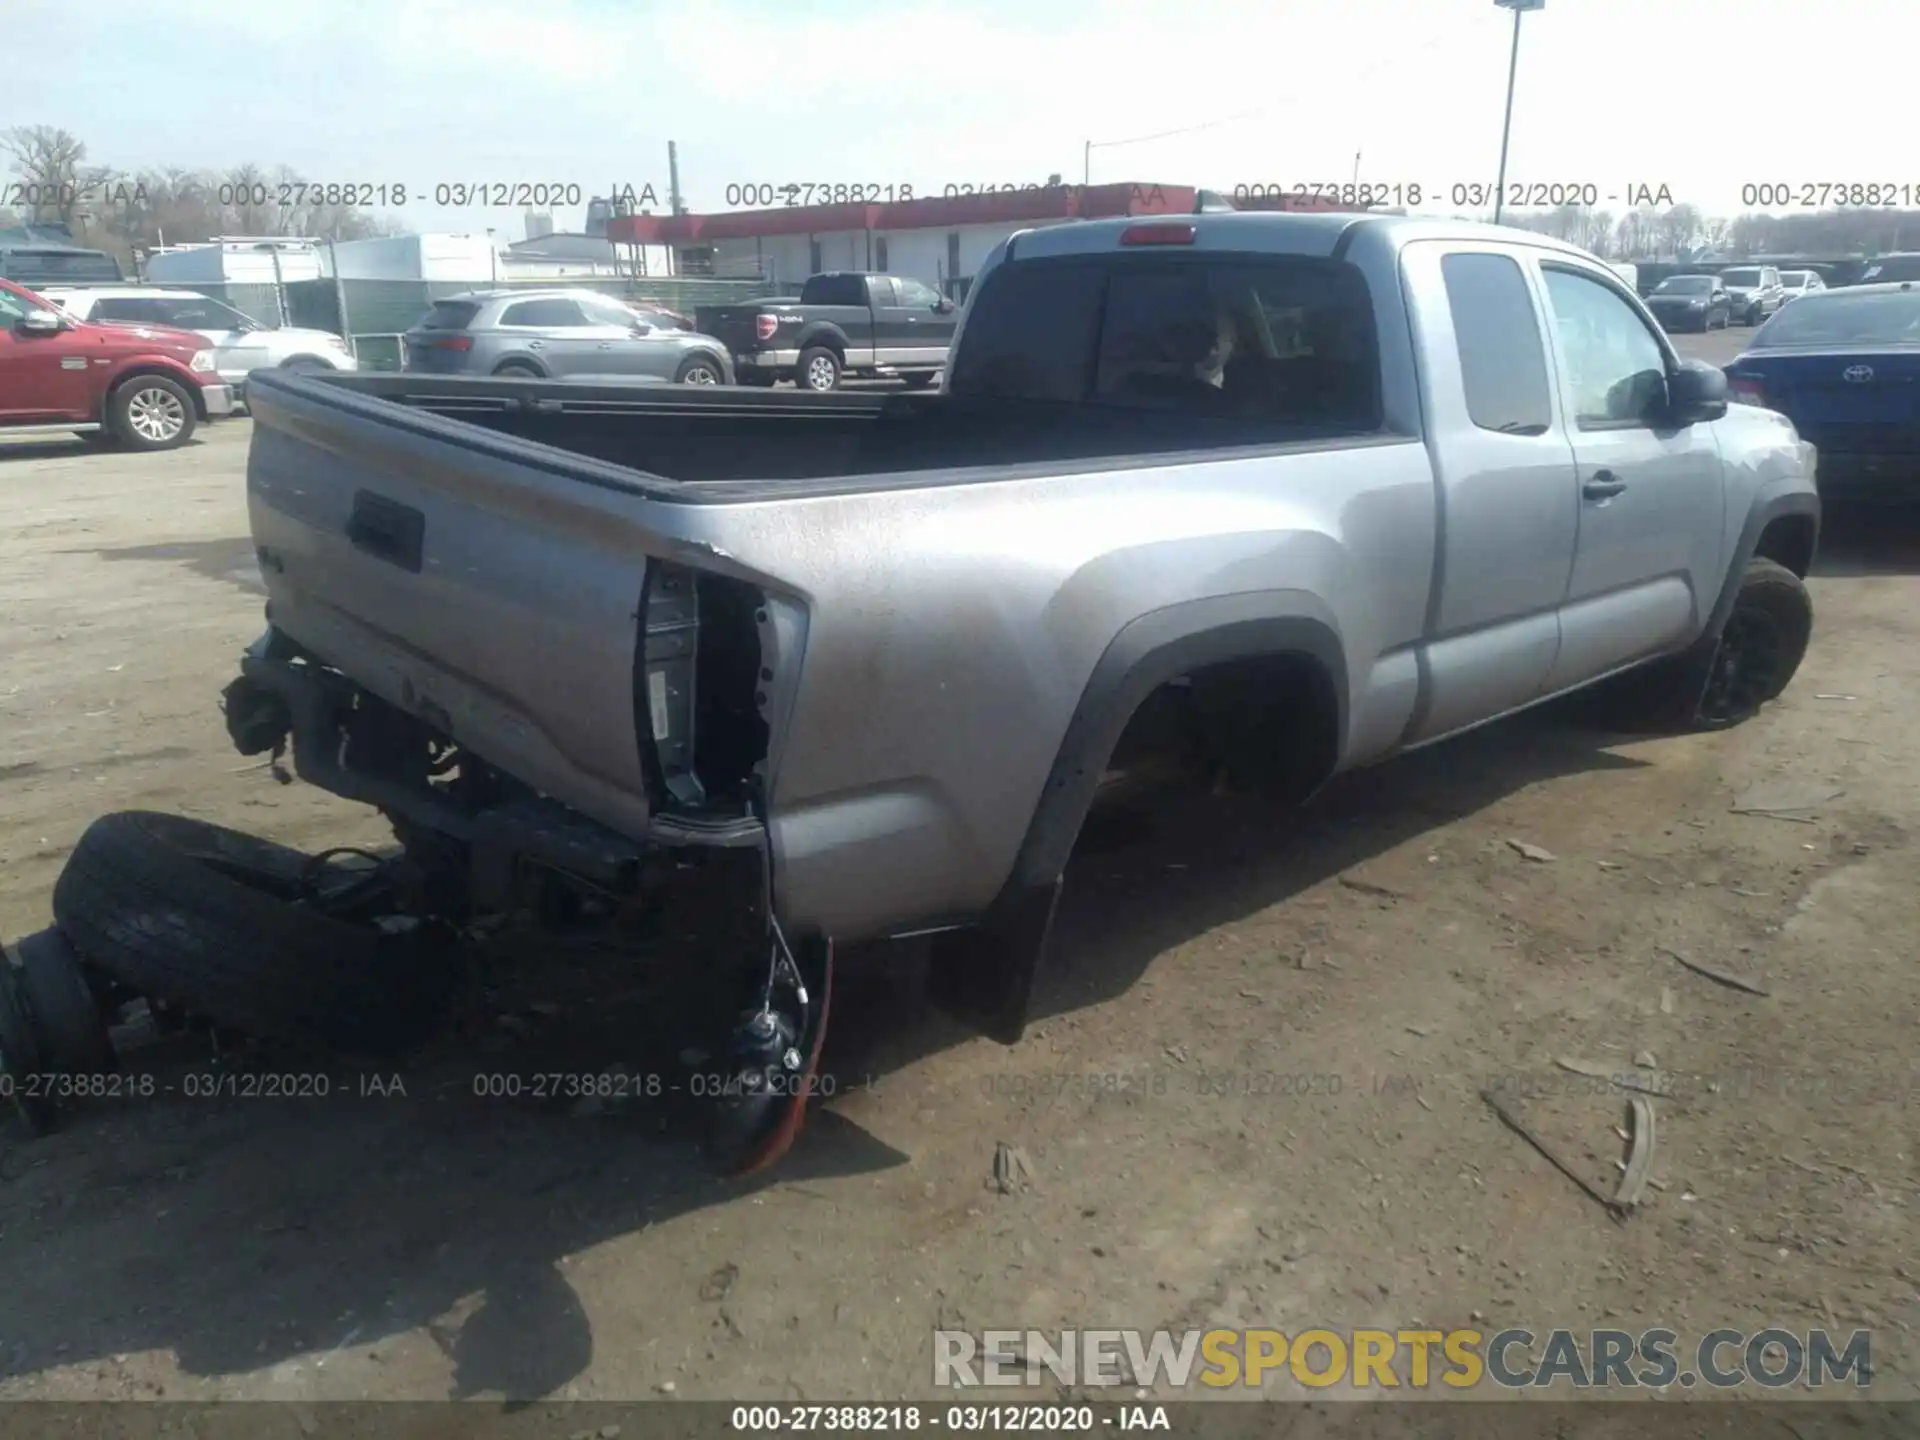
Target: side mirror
x,y
1696,391
641,327
41,322
943,306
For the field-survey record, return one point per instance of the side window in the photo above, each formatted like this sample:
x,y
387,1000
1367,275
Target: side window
x,y
130,311
880,292
543,314
194,315
916,295
606,312
1616,369
1502,357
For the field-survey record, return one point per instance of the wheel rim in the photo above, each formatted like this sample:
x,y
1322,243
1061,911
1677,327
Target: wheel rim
x,y
1746,666
700,375
820,374
156,414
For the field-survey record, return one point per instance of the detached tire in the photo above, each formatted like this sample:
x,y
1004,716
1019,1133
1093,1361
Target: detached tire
x,y
204,918
73,1031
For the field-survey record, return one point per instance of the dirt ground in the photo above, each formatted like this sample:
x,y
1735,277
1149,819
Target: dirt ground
x,y
1254,1097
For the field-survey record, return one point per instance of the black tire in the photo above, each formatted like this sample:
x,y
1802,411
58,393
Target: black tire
x,y
20,1058
705,367
818,370
151,412
72,1031
518,370
202,917
1758,651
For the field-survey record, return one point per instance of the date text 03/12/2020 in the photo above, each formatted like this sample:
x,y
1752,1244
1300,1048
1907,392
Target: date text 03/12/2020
x,y
961,1419
1473,194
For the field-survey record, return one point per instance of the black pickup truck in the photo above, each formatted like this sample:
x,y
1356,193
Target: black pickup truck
x,y
845,322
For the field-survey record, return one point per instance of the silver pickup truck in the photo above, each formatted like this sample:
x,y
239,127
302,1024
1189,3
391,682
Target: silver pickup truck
x,y
1329,487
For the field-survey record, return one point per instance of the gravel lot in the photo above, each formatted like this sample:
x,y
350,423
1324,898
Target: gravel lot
x,y
1357,975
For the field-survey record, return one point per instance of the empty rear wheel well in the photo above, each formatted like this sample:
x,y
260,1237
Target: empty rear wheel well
x,y
1271,721
1789,541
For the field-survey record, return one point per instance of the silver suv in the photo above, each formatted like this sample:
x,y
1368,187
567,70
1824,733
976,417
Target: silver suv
x,y
560,335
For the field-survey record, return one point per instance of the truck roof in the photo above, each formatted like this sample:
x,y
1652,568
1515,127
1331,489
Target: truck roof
x,y
1291,233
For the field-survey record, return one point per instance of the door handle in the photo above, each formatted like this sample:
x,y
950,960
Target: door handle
x,y
536,344
1603,486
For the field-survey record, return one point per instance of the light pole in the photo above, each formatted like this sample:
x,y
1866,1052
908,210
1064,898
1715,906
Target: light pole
x,y
1519,8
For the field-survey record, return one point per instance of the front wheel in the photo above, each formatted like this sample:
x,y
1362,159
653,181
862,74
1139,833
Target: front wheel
x,y
699,370
1760,647
818,370
151,412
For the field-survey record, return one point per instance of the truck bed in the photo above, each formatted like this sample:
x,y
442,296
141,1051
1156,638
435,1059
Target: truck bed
x,y
777,444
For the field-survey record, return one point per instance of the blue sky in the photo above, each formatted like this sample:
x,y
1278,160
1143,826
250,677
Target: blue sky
x,y
588,92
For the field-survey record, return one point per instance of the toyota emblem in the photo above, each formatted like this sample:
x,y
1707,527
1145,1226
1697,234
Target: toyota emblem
x,y
1857,374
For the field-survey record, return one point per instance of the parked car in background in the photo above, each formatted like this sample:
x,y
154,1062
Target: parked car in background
x,y
845,322
1798,283
1888,268
41,263
1691,302
1755,292
241,344
1844,366
142,387
558,335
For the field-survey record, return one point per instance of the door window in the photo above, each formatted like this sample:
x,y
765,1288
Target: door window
x,y
915,295
199,315
553,314
1616,369
131,310
607,312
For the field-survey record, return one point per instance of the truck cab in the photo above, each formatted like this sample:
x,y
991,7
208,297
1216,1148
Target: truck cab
x,y
846,322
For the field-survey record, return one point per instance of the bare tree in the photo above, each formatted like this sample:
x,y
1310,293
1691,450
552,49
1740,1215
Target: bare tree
x,y
1679,227
51,167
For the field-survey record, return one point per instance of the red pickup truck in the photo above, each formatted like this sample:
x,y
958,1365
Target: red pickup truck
x,y
143,387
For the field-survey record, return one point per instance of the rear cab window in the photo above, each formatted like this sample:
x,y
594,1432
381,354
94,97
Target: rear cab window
x,y
1286,342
